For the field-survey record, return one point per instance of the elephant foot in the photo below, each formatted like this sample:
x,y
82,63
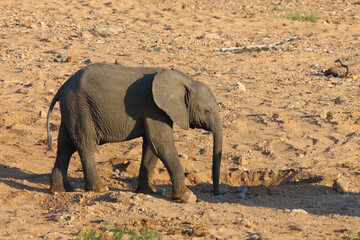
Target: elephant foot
x,y
57,188
147,189
100,187
66,187
179,192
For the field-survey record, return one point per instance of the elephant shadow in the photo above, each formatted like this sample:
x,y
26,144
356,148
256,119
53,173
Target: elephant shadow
x,y
288,197
16,178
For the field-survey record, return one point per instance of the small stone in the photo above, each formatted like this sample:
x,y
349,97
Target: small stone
x,y
188,197
298,211
60,60
242,190
86,35
248,224
293,105
185,6
240,86
223,190
339,100
341,185
72,59
174,44
181,155
212,36
118,62
344,207
158,49
87,61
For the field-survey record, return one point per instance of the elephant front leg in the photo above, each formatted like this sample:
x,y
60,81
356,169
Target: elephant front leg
x,y
163,145
147,168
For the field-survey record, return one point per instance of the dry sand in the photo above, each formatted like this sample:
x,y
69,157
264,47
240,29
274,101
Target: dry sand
x,y
287,135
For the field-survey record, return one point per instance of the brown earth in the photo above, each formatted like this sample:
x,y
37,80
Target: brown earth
x,y
287,137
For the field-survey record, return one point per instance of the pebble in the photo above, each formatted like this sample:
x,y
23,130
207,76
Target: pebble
x,y
174,44
339,100
298,211
188,197
240,86
212,36
293,105
341,185
158,49
72,59
223,190
181,155
106,31
59,58
185,6
86,35
119,62
242,190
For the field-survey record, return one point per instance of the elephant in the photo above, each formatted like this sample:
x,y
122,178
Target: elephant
x,y
103,103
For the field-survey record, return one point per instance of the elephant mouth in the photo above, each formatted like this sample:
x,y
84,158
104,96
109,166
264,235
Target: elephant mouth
x,y
206,128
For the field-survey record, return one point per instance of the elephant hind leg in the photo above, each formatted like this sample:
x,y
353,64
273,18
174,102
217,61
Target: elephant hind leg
x,y
92,180
59,181
148,164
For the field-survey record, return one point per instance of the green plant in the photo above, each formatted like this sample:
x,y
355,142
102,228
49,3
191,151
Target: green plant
x,y
118,233
301,16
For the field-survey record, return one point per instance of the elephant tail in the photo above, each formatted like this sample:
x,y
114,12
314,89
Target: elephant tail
x,y
53,102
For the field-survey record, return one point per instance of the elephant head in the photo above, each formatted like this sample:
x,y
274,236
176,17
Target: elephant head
x,y
190,104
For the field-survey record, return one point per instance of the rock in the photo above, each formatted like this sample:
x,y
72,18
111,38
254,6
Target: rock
x,y
240,86
212,36
242,190
188,197
223,190
59,58
72,59
185,6
298,211
158,49
118,62
339,100
174,44
86,35
181,155
293,105
341,185
106,31
55,235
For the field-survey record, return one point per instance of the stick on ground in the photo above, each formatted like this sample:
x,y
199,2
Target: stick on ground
x,y
258,47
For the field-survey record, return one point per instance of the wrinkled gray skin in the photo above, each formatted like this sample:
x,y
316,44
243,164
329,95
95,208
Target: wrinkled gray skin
x,y
105,103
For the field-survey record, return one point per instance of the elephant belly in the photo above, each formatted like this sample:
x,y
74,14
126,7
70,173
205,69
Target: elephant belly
x,y
121,132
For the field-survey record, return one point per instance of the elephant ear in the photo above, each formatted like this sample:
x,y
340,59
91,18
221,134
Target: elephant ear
x,y
169,89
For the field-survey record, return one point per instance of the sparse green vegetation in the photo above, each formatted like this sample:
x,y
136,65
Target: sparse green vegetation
x,y
118,233
301,16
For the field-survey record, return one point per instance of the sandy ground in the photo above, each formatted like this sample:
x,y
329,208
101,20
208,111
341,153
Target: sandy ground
x,y
287,136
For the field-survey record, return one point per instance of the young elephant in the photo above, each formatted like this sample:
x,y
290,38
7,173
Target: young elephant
x,y
105,103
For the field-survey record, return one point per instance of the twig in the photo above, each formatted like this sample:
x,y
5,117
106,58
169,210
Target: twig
x,y
256,48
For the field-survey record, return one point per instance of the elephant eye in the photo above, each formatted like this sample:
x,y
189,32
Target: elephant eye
x,y
207,110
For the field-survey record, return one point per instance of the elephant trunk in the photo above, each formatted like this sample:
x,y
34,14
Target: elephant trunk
x,y
217,151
